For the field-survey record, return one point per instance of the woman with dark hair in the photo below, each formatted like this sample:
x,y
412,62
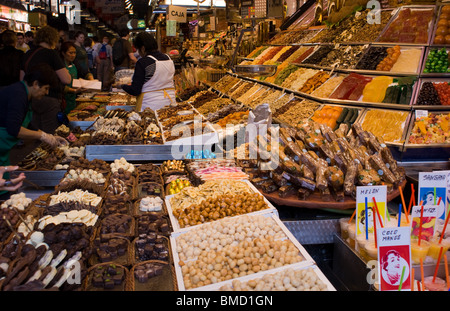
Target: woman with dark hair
x,y
153,75
46,109
68,54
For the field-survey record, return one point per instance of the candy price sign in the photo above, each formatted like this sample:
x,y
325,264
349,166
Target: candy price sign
x,y
423,221
433,190
366,197
394,258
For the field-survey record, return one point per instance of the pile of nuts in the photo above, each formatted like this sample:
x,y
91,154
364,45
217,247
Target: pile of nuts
x,y
285,280
218,207
233,247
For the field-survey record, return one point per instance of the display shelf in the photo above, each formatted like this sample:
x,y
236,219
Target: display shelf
x,y
49,178
424,63
260,275
137,152
438,15
429,107
404,126
315,201
412,8
352,269
424,151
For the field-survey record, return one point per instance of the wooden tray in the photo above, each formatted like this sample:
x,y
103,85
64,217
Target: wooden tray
x,y
314,200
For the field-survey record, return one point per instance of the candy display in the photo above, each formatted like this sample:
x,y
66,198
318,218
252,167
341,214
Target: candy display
x,y
298,111
351,88
334,116
433,129
345,56
108,277
428,95
437,61
285,280
134,203
217,207
400,91
409,26
441,35
238,251
392,127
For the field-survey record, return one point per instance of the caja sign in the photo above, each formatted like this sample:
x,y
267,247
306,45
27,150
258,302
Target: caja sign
x,y
176,13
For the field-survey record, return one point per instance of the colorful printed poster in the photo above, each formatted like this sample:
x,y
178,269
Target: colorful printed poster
x,y
433,190
394,258
372,194
428,221
447,203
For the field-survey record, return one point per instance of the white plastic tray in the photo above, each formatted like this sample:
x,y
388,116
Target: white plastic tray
x,y
176,226
308,260
259,275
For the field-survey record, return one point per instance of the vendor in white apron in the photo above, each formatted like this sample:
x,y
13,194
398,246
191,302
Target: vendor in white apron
x,y
152,81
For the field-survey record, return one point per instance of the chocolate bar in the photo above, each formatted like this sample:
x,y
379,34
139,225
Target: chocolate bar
x,y
303,193
286,191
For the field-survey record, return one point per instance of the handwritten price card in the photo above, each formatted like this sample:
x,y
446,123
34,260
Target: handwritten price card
x,y
369,195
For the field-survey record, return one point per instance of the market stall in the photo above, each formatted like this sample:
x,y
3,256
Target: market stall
x,y
184,198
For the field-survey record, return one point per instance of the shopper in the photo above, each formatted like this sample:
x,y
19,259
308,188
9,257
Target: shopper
x,y
45,110
82,57
16,108
10,59
123,56
21,45
90,54
95,47
104,63
29,38
153,75
68,54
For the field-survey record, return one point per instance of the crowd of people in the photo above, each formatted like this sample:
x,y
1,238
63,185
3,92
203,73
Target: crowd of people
x,y
36,74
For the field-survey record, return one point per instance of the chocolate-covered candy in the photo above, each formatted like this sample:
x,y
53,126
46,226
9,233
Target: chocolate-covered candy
x,y
148,270
108,276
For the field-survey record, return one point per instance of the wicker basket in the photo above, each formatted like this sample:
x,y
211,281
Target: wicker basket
x,y
141,194
133,192
125,260
164,282
129,234
129,211
87,286
136,212
136,259
165,217
84,184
